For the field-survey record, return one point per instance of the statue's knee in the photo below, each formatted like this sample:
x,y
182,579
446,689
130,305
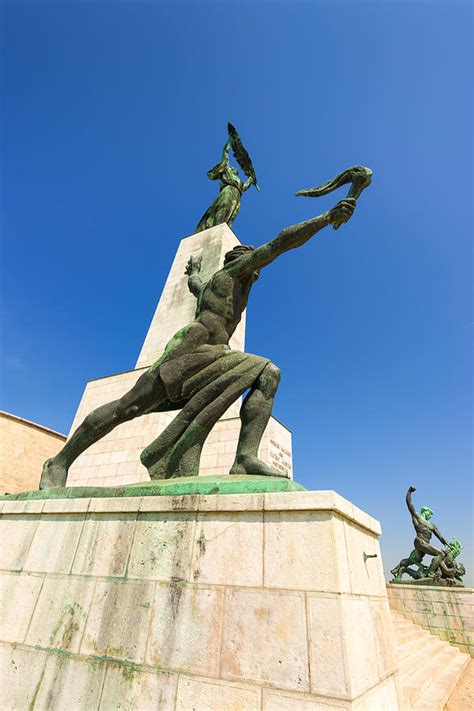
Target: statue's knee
x,y
272,375
123,414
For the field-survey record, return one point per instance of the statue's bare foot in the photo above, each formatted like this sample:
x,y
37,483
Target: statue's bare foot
x,y
54,474
246,465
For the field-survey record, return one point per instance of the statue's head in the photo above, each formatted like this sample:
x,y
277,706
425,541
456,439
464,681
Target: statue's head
x,y
455,547
426,512
237,252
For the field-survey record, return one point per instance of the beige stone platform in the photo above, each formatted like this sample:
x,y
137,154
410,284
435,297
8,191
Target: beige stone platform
x,y
115,459
233,602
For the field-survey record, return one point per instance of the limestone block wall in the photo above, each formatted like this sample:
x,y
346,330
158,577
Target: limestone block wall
x,y
24,446
256,602
447,613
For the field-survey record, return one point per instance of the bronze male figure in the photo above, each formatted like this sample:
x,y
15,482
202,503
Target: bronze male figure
x,y
199,374
422,544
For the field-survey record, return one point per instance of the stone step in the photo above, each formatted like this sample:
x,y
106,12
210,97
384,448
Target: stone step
x,y
412,633
443,684
424,672
413,645
401,624
405,650
420,654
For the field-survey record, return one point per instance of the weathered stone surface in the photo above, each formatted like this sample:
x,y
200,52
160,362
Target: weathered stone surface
x,y
341,555
264,638
18,596
69,684
366,574
60,614
195,605
131,689
185,629
64,505
162,546
360,645
117,624
245,502
329,673
20,676
384,635
115,504
283,701
203,695
383,698
54,545
16,534
156,504
228,549
12,506
321,501
105,544
299,551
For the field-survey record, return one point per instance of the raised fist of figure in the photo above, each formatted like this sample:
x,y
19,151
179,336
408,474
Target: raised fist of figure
x,y
342,212
193,266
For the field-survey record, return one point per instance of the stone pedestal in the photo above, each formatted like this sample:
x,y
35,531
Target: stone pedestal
x,y
115,459
251,601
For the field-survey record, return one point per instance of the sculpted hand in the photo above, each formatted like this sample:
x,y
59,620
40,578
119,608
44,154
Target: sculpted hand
x,y
193,266
342,212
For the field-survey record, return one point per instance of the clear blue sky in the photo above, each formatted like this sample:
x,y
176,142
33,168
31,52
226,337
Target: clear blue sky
x,y
112,114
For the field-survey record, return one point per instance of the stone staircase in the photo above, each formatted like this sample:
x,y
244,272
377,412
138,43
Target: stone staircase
x,y
429,668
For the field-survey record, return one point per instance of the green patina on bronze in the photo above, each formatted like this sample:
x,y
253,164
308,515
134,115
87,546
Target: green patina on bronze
x,y
183,486
226,206
198,374
443,569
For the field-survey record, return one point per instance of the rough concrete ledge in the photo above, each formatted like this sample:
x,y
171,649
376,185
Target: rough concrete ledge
x,y
272,502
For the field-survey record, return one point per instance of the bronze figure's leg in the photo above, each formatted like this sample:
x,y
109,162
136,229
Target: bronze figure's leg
x,y
148,391
426,548
177,451
254,414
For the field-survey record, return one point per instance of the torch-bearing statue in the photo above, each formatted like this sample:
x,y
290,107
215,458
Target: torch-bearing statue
x,y
198,373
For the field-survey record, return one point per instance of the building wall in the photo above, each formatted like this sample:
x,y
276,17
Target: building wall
x,y
24,446
447,613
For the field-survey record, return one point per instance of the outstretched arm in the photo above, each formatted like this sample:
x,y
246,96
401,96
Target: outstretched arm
x,y
216,172
290,238
439,536
250,181
195,283
225,152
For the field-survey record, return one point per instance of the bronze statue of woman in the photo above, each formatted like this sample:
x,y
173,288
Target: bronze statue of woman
x,y
226,206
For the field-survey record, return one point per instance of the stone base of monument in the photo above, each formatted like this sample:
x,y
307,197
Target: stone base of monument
x,y
271,601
